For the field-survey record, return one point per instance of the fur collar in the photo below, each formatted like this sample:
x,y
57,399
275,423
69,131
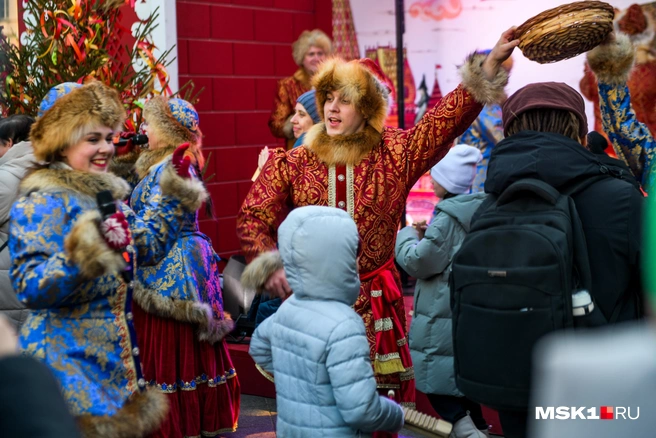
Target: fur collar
x,y
59,176
149,158
124,165
303,77
341,149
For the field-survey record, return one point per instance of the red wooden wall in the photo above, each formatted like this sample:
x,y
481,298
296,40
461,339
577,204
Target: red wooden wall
x,y
237,50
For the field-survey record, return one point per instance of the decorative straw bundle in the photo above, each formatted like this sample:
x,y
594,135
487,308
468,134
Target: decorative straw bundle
x,y
566,31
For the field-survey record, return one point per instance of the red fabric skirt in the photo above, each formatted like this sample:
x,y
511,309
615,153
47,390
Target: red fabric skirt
x,y
198,377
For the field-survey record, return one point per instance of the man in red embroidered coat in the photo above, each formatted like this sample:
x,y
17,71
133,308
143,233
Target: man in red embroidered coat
x,y
351,161
309,51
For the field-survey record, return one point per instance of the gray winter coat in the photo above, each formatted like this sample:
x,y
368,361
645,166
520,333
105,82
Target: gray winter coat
x,y
429,260
315,344
14,165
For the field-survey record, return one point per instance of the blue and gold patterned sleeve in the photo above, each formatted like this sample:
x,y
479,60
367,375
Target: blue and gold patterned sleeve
x,y
631,139
155,229
41,272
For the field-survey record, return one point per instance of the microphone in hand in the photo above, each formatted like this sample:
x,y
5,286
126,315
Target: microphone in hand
x,y
114,227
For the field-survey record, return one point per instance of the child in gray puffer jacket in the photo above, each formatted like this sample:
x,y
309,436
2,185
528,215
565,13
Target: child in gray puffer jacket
x,y
315,344
427,257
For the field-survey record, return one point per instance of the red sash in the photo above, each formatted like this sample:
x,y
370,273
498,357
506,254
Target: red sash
x,y
392,354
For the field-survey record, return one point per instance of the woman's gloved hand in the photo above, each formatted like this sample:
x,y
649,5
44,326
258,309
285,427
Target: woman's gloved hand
x,y
116,231
180,162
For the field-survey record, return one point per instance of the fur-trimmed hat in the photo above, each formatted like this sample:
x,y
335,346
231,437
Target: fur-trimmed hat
x,y
69,112
174,120
308,39
355,81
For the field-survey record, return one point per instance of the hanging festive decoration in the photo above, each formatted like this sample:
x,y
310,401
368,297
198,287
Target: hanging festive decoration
x,y
79,40
345,41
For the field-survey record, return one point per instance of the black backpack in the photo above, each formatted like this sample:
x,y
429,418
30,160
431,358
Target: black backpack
x,y
511,283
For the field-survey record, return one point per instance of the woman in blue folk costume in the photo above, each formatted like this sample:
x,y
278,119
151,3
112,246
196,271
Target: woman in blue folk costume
x,y
67,263
180,321
632,141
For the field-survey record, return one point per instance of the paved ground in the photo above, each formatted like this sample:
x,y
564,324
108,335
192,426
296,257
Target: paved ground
x,y
258,419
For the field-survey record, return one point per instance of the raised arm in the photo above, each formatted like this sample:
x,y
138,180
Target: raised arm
x,y
632,141
483,82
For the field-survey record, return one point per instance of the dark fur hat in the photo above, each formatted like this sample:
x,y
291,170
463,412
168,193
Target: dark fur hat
x,y
71,115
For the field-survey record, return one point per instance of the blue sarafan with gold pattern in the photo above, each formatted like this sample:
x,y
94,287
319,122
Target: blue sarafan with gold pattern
x,y
190,270
184,113
631,139
484,134
78,326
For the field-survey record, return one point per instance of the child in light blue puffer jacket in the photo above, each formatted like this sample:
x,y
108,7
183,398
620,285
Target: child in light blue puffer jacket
x,y
315,344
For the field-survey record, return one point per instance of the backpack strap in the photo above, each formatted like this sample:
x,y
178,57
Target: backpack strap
x,y
540,188
580,186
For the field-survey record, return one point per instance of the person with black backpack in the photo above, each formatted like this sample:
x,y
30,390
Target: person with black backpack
x,y
555,245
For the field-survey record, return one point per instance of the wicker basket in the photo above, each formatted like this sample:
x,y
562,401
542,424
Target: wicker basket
x,y
566,31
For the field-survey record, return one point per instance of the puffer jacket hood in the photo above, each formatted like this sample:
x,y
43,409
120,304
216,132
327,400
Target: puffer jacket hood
x,y
315,344
306,238
461,208
552,158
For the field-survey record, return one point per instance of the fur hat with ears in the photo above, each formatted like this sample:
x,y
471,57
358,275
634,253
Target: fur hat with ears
x,y
356,82
308,39
70,114
174,120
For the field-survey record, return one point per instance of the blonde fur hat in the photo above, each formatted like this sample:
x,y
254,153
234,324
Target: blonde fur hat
x,y
355,81
308,39
71,115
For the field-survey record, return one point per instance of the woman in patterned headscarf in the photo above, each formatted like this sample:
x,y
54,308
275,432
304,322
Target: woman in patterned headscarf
x,y
179,318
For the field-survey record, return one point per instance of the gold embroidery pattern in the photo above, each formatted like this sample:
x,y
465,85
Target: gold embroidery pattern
x,y
350,192
383,325
401,342
387,357
388,385
124,338
409,374
376,293
180,385
381,182
332,187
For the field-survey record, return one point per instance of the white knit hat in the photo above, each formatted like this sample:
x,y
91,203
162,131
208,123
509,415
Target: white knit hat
x,y
456,171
